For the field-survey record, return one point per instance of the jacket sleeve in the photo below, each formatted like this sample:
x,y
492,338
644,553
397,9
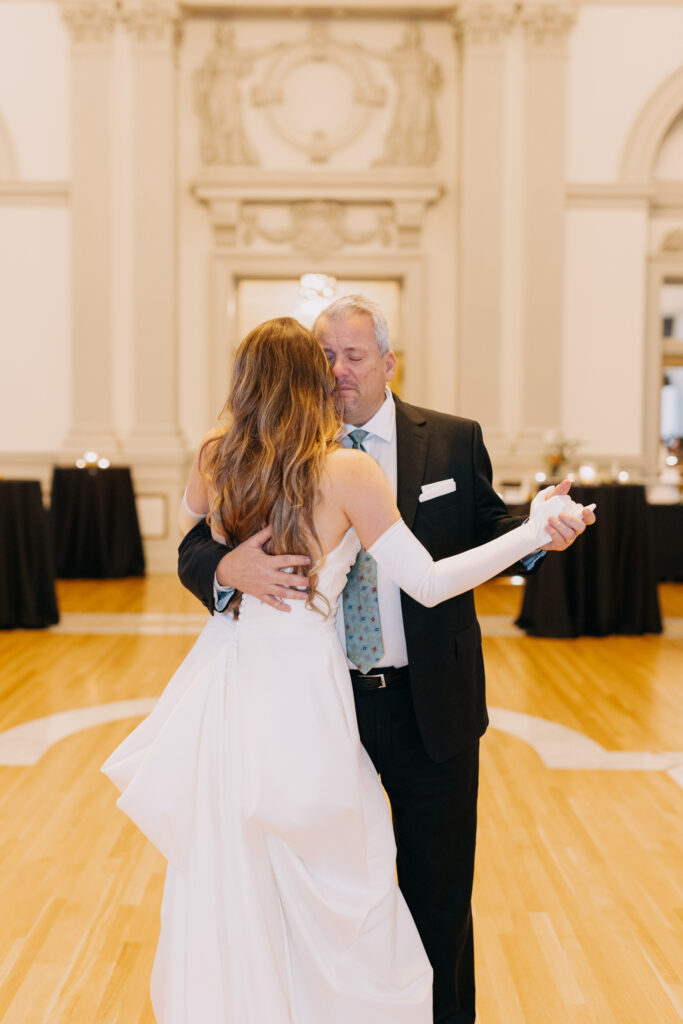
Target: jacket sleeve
x,y
492,516
198,557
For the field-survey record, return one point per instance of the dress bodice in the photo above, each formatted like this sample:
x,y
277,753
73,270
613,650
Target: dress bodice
x,y
331,580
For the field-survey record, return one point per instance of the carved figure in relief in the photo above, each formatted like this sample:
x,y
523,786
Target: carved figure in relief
x,y
413,137
218,102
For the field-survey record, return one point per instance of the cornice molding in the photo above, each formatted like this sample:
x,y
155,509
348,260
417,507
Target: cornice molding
x,y
609,195
35,193
660,197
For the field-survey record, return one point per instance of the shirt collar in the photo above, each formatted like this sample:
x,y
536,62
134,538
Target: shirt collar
x,y
383,423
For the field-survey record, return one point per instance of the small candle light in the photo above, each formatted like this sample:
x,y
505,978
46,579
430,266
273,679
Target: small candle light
x,y
103,463
540,477
517,581
623,476
587,474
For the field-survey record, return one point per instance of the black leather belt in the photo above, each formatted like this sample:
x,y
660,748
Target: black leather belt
x,y
382,679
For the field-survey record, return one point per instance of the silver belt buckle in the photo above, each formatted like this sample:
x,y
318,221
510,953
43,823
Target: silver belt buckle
x,y
383,683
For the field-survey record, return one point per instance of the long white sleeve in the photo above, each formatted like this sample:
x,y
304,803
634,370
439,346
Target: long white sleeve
x,y
407,561
187,517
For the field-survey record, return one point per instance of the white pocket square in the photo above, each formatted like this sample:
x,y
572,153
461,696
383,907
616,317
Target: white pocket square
x,y
436,489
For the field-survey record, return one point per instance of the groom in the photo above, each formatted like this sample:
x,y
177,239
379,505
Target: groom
x,y
421,708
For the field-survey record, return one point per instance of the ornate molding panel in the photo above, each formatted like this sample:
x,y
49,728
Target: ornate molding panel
x,y
151,21
483,24
315,226
547,24
413,136
340,128
288,91
218,101
90,21
307,215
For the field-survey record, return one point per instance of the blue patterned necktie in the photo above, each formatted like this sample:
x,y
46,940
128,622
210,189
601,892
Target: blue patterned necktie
x,y
364,645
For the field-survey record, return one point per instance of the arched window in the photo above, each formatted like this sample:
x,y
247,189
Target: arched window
x,y
653,157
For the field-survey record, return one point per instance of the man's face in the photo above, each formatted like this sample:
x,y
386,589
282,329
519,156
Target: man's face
x,y
360,371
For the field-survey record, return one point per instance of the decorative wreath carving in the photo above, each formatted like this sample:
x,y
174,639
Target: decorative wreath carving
x,y
340,127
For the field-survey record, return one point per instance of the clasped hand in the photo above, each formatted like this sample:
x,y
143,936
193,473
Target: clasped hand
x,y
563,529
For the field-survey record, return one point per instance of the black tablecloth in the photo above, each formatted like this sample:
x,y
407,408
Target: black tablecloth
x,y
605,583
27,576
666,537
95,524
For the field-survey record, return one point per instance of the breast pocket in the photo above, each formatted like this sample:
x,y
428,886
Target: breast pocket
x,y
436,524
445,504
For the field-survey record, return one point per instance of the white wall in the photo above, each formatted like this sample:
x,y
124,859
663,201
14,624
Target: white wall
x,y
619,56
34,87
35,323
605,322
34,237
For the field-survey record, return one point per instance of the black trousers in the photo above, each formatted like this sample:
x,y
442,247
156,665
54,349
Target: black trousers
x,y
434,809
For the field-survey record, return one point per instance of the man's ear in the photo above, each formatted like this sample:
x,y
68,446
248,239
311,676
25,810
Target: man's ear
x,y
390,365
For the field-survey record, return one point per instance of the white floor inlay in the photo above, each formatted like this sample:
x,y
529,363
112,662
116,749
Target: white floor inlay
x,y
558,746
25,744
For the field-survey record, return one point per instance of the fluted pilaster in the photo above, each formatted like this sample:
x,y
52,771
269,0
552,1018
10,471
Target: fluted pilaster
x,y
91,25
482,31
546,29
153,29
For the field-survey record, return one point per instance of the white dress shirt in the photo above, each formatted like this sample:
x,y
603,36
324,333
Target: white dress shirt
x,y
381,444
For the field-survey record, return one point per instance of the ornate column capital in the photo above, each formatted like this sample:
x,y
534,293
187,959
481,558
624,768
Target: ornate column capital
x,y
90,21
483,24
547,24
151,21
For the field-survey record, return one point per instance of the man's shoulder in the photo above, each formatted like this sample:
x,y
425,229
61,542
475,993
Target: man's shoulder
x,y
438,420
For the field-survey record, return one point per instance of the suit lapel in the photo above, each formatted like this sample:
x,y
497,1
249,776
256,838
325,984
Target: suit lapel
x,y
412,442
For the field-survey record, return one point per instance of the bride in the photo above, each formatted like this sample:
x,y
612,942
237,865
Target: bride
x,y
281,904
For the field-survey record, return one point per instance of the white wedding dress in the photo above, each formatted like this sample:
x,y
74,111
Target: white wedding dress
x,y
281,904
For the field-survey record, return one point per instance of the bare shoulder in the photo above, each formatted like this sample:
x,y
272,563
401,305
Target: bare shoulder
x,y
348,467
207,442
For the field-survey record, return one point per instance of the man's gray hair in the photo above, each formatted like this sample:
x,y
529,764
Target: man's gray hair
x,y
347,305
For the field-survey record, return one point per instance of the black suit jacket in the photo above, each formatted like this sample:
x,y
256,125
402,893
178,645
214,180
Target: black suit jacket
x,y
444,643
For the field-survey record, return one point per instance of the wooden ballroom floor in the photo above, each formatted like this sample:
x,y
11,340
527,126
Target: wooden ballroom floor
x,y
578,900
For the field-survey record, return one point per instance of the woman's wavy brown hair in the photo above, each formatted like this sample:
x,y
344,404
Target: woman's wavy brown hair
x,y
265,468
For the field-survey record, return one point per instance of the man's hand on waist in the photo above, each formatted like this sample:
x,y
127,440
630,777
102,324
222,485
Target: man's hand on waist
x,y
249,569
